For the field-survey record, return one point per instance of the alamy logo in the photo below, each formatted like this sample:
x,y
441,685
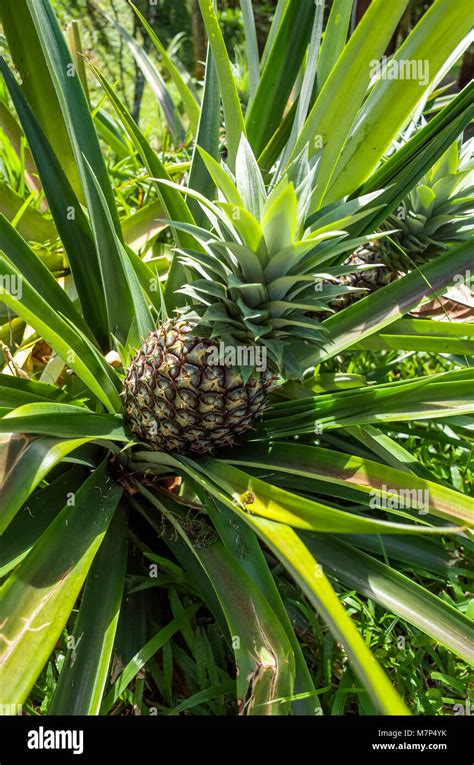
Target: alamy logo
x,y
7,710
238,355
464,279
395,499
12,284
56,739
401,69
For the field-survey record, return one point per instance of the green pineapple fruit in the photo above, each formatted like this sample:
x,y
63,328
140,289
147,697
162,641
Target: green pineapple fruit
x,y
369,280
199,381
439,211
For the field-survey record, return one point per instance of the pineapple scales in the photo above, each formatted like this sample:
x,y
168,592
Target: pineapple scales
x,y
177,399
200,379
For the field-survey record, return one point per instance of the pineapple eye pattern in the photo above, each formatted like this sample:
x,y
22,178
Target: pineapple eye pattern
x,y
180,406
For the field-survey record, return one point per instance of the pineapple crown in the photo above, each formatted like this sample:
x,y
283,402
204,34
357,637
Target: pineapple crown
x,y
439,210
261,272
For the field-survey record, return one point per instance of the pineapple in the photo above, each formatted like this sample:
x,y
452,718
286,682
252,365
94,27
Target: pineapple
x,y
438,212
200,379
177,399
373,253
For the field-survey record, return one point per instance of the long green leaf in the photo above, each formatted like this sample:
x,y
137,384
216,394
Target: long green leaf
x,y
73,348
70,220
387,109
24,462
63,421
251,45
73,103
241,491
187,96
127,305
279,73
172,198
396,592
39,510
153,77
207,140
37,82
38,275
15,391
334,39
37,598
381,308
310,576
233,116
334,111
84,673
88,157
365,475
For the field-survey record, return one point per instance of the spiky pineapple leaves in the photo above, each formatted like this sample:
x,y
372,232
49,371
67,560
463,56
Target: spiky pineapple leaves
x,y
230,98
257,283
375,312
36,599
38,83
264,656
249,181
335,469
441,32
117,275
86,668
71,222
395,591
401,171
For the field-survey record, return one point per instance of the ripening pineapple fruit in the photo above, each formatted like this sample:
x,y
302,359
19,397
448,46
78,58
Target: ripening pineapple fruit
x,y
199,381
438,212
179,397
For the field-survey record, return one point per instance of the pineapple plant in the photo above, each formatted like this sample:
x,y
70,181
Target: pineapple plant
x,y
185,389
437,212
111,457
